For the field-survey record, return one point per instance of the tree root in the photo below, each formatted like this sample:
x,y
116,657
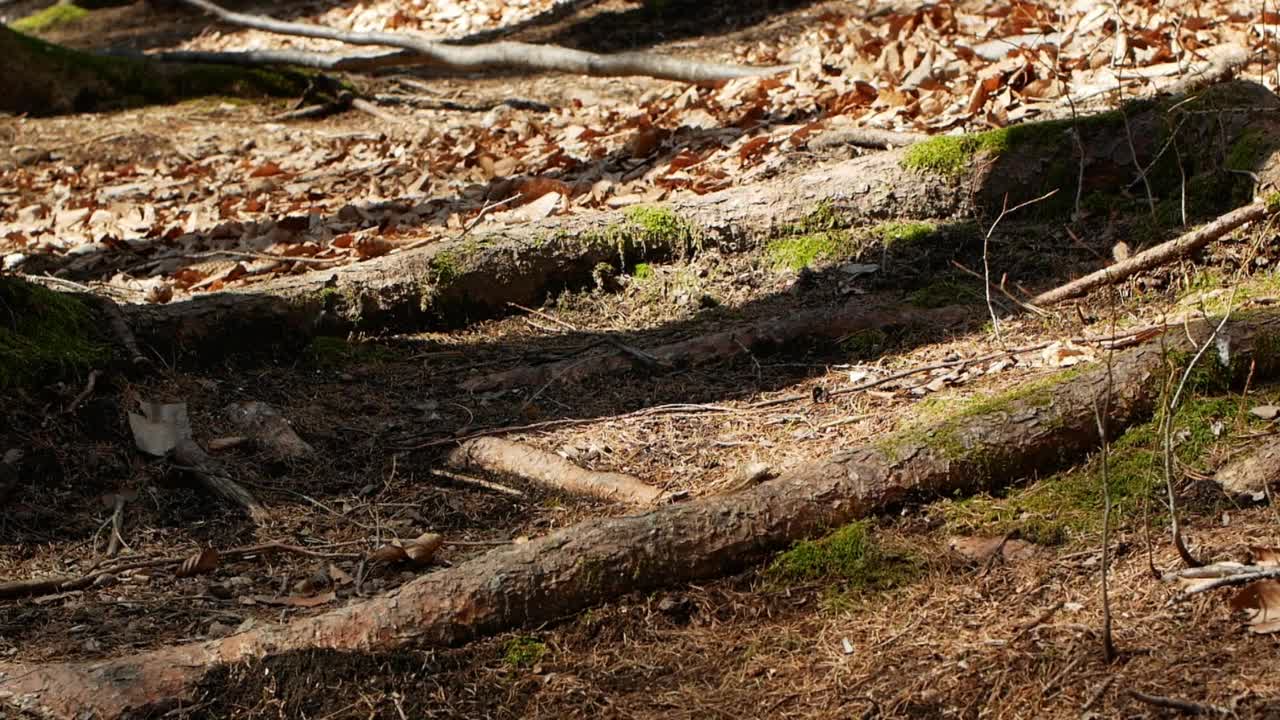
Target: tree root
x,y
604,558
524,56
509,458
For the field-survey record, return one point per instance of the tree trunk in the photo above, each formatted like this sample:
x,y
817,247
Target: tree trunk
x,y
1028,432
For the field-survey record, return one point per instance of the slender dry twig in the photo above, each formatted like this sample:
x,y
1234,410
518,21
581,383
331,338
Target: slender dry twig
x,y
1100,413
986,267
469,480
1156,256
1167,434
1183,706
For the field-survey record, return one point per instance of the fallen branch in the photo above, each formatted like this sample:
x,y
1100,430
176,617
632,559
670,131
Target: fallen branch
x,y
767,336
64,583
509,458
209,472
599,559
524,56
1156,256
1183,706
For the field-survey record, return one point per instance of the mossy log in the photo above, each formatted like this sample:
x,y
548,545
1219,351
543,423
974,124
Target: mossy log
x,y
1013,436
45,79
1224,141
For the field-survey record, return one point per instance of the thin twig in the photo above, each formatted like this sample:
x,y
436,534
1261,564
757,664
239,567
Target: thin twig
x,y
1167,433
468,480
986,267
1184,706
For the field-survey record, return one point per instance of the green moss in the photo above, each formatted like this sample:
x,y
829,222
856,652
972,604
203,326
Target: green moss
x,y
850,557
444,267
1273,201
823,218
332,352
104,82
1249,151
1068,505
50,17
44,334
658,224
800,251
892,233
642,271
865,344
949,155
942,293
523,652
939,422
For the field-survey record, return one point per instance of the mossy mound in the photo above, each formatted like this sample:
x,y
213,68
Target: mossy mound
x,y
44,335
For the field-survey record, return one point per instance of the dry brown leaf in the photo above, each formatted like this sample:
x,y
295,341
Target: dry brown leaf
x,y
1265,555
1260,601
423,548
982,549
205,561
267,169
388,554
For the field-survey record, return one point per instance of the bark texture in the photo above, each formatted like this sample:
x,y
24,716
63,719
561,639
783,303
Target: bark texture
x,y
1032,432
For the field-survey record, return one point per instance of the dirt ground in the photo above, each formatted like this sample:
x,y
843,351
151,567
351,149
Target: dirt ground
x,y
940,634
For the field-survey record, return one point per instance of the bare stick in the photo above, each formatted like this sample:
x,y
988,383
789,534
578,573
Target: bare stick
x,y
1156,256
1108,643
986,267
211,475
523,461
505,54
486,484
117,525
88,390
1183,706
1167,433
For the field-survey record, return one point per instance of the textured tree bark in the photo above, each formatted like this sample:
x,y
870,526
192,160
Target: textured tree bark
x,y
505,457
594,561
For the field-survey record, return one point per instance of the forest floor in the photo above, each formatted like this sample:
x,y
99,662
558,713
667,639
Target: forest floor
x,y
909,615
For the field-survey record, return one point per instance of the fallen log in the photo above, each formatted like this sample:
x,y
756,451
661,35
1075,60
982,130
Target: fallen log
x,y
510,458
1026,432
452,282
763,337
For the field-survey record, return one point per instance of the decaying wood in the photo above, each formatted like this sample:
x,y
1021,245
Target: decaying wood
x,y
523,461
1252,473
1159,255
524,56
211,475
764,337
865,137
604,558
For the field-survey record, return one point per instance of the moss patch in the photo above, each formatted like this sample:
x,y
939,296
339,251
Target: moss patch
x,y
850,557
642,271
50,17
893,233
800,251
1068,506
332,352
941,293
658,224
523,652
44,334
949,155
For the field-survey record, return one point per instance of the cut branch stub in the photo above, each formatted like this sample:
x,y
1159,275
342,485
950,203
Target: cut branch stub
x,y
1029,432
509,458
